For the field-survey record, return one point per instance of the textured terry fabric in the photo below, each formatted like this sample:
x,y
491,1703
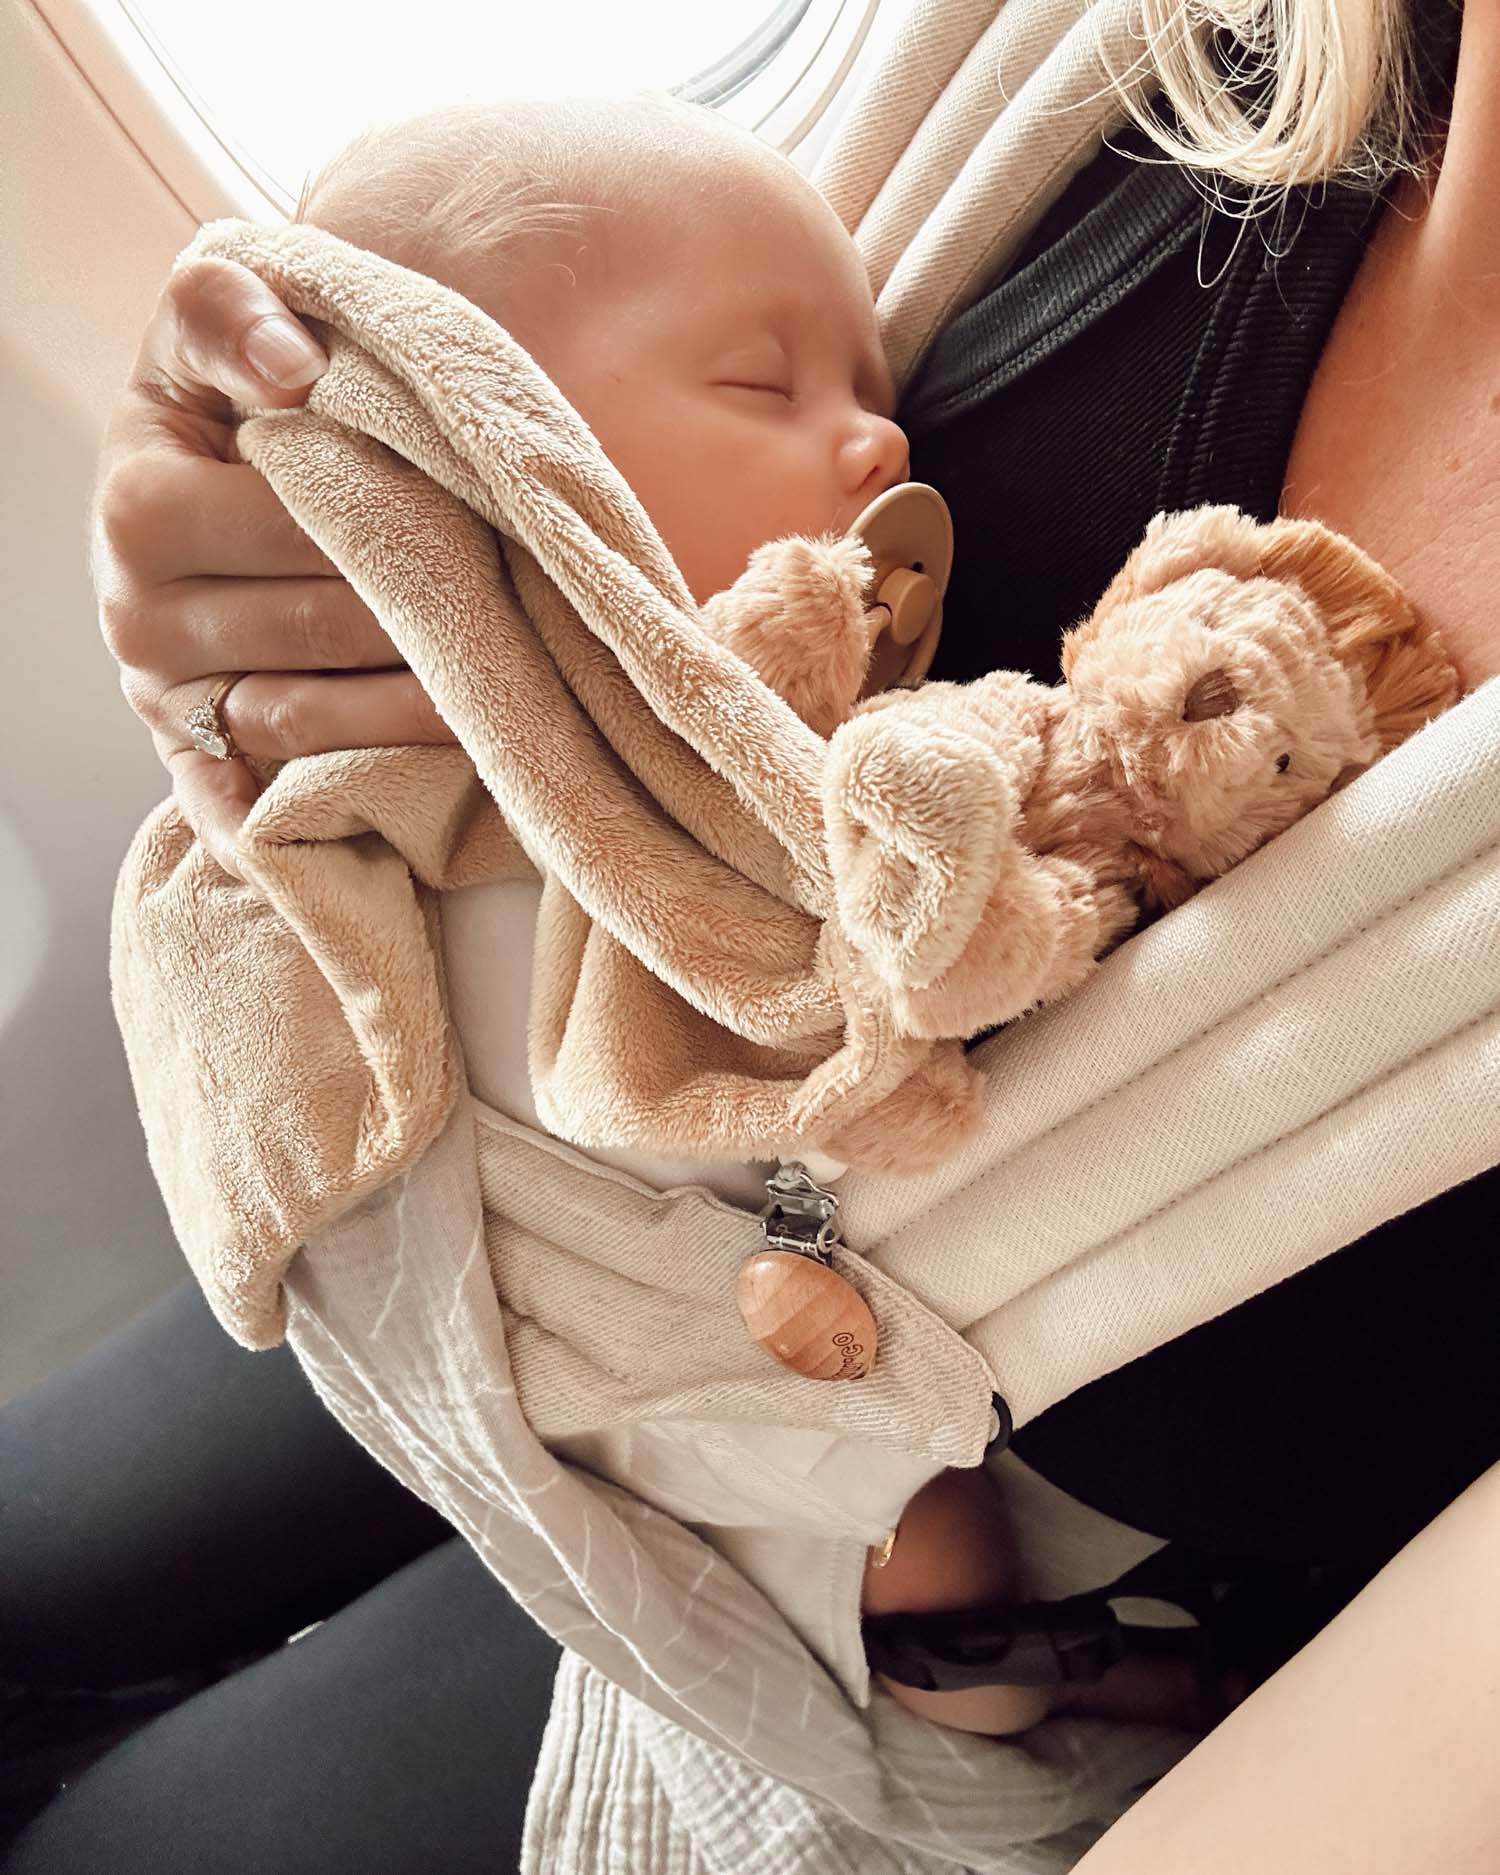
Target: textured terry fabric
x,y
694,986
488,941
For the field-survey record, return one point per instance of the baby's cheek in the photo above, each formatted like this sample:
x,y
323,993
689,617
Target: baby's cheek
x,y
710,521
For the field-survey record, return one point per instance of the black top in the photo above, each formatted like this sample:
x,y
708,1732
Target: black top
x,y
1149,353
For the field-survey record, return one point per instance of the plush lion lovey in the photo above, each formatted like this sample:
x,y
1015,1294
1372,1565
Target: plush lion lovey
x,y
989,841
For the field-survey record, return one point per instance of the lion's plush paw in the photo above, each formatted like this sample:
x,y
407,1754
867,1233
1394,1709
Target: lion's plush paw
x,y
917,818
921,1122
1037,937
797,616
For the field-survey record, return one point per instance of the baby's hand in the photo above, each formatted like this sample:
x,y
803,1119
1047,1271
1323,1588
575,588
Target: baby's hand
x,y
797,616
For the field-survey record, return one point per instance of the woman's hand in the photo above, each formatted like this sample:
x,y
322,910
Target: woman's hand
x,y
200,572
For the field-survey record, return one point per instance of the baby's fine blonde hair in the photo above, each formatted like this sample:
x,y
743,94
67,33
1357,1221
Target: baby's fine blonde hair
x,y
459,193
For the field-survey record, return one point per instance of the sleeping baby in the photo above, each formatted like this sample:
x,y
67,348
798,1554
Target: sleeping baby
x,y
704,311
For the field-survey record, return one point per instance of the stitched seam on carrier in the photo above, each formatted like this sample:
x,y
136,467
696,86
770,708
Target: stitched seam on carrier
x,y
1311,963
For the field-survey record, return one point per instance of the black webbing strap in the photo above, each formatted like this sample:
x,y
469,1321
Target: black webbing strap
x,y
1250,1617
1003,1643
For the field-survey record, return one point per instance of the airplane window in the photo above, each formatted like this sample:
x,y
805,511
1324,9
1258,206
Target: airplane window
x,y
280,85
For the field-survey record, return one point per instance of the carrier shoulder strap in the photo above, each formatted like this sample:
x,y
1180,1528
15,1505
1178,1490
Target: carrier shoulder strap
x,y
971,127
1303,1051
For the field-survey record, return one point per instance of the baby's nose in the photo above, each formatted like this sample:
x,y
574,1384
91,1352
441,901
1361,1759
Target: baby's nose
x,y
875,457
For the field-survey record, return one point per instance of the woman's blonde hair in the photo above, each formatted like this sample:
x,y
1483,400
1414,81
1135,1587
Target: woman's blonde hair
x,y
1308,90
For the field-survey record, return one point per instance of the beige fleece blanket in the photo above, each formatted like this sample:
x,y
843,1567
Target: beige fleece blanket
x,y
289,1039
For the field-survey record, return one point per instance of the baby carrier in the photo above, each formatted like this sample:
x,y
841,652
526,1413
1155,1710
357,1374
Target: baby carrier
x,y
484,1308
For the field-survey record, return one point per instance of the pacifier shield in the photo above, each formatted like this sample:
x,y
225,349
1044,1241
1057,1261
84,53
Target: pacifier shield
x,y
909,533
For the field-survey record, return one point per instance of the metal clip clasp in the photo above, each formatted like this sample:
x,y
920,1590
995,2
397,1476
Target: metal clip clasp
x,y
800,1214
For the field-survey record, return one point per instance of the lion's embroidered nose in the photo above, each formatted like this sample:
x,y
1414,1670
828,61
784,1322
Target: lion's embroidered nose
x,y
1212,694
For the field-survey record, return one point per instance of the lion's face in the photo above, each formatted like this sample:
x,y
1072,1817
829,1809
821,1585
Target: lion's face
x,y
1218,714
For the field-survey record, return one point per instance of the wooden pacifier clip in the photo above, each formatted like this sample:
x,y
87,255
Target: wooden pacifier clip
x,y
794,1302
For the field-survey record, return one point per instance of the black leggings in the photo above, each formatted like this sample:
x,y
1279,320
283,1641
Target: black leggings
x,y
172,1505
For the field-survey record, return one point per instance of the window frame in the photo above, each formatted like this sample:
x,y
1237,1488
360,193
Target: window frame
x,y
783,81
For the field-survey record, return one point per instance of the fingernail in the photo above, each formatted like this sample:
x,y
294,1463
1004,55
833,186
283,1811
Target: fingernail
x,y
284,353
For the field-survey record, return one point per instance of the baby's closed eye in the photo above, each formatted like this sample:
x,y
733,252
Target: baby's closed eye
x,y
783,391
764,371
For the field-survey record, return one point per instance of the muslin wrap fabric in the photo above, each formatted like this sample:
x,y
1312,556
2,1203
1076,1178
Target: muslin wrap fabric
x,y
1309,1046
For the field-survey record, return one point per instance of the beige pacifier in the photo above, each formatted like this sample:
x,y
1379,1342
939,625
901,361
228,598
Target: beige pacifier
x,y
909,533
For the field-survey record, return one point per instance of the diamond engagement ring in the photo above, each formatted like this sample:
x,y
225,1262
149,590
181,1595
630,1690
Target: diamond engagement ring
x,y
205,723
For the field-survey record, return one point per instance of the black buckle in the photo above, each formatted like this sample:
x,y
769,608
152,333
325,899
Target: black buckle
x,y
1000,1644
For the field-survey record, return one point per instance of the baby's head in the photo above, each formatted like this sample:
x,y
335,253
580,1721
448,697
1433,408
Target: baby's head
x,y
689,292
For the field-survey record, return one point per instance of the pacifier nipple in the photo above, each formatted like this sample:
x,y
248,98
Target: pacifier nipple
x,y
909,533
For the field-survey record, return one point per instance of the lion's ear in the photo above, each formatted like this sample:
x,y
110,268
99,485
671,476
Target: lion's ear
x,y
1212,694
1370,623
1173,546
1353,592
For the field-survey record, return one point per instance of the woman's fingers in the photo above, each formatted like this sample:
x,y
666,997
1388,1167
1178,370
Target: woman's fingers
x,y
163,515
214,797
199,625
274,715
218,333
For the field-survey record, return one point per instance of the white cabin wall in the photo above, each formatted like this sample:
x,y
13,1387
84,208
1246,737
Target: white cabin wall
x,y
87,233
